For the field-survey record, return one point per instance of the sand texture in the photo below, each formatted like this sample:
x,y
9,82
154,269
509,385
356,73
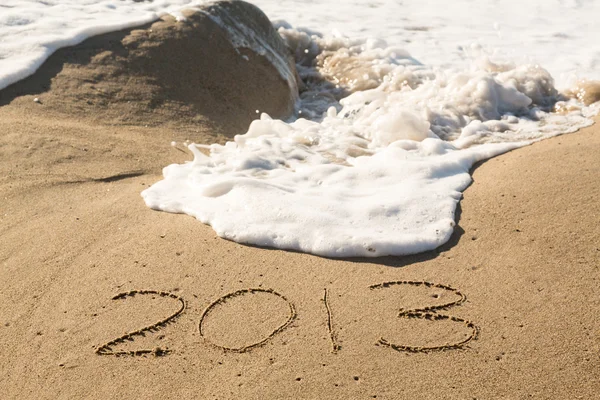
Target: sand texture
x,y
102,297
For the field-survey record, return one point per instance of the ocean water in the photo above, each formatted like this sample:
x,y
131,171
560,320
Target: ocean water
x,y
401,98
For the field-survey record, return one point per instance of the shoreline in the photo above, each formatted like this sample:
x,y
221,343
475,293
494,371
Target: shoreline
x,y
76,233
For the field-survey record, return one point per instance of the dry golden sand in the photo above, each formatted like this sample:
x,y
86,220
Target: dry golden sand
x,y
75,232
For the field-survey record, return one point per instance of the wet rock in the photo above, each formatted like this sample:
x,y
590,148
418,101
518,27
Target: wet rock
x,y
216,67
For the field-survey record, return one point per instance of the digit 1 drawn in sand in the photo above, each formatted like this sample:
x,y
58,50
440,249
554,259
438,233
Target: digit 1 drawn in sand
x,y
106,349
430,313
332,336
211,307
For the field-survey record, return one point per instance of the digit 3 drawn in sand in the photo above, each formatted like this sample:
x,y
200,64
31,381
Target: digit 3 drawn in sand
x,y
222,300
430,313
106,349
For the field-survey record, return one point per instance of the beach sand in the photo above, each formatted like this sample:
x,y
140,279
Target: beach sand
x,y
525,254
76,232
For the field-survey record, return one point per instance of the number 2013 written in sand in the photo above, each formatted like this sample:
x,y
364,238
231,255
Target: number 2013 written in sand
x,y
431,313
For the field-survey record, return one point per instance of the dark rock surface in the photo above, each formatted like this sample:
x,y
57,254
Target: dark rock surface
x,y
215,68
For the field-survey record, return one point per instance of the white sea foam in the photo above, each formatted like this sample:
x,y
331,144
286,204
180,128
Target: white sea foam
x,y
563,36
560,35
401,99
380,176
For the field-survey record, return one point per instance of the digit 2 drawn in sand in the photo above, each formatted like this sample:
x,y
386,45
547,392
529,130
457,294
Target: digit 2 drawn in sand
x,y
244,292
106,349
430,313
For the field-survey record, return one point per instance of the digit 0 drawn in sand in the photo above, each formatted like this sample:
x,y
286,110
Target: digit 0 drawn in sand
x,y
243,292
430,313
332,336
106,349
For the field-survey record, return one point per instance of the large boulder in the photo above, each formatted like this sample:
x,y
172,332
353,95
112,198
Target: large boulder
x,y
218,66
